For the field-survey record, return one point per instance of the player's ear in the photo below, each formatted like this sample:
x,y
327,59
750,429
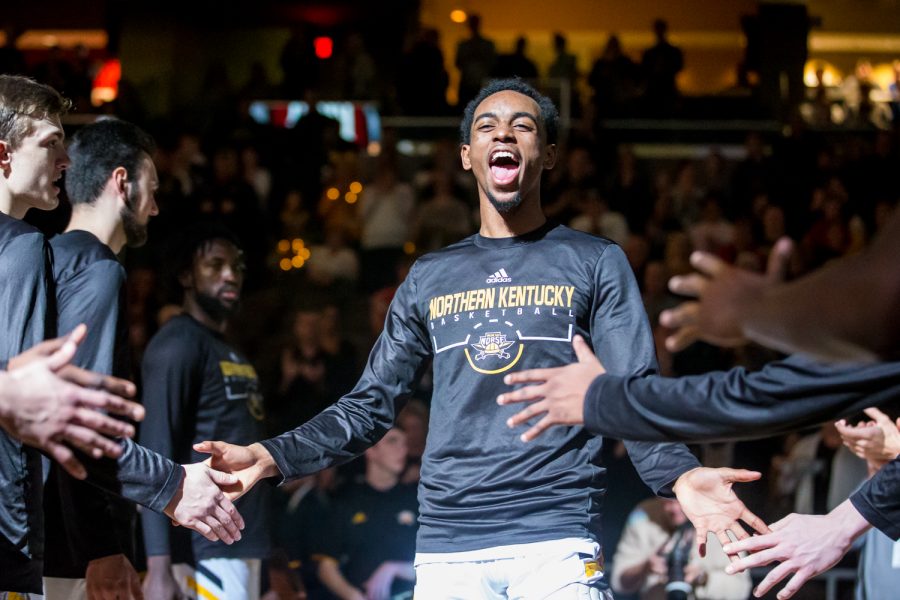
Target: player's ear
x,y
120,182
550,154
464,156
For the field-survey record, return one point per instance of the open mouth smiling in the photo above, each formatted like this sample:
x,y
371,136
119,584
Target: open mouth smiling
x,y
504,166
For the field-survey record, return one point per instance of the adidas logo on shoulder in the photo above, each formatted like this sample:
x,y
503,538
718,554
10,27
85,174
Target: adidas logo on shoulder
x,y
499,277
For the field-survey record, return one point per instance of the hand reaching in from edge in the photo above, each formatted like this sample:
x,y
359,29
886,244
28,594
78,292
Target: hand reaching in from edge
x,y
805,545
709,502
557,393
722,292
201,505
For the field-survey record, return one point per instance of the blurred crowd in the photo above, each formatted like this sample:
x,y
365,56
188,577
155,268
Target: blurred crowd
x,y
329,231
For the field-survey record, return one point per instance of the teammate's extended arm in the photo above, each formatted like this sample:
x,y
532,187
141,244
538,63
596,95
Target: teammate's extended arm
x,y
48,404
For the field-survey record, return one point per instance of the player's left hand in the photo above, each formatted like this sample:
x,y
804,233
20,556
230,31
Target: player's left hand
x,y
709,502
378,586
806,545
557,393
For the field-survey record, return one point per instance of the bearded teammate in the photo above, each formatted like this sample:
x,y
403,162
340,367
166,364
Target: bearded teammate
x,y
197,385
499,519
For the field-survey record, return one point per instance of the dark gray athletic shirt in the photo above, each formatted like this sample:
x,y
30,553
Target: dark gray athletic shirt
x,y
197,387
90,289
24,264
27,309
479,309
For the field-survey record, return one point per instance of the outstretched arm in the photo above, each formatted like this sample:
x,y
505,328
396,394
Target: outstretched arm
x,y
49,404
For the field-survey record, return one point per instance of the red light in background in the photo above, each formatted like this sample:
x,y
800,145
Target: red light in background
x,y
324,47
106,83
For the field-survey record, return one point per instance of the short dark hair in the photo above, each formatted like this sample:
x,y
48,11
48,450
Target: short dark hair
x,y
100,148
23,99
549,114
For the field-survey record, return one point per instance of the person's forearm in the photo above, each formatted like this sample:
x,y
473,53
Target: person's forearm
x,y
783,396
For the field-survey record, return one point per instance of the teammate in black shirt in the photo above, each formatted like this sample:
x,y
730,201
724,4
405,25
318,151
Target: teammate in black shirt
x,y
498,518
111,184
32,157
196,387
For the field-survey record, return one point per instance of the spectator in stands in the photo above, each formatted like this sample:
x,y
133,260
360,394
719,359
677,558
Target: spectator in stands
x,y
660,65
475,58
516,64
565,64
657,547
386,210
426,93
333,263
614,78
369,550
443,218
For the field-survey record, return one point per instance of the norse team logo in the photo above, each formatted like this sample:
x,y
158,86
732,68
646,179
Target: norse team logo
x,y
492,344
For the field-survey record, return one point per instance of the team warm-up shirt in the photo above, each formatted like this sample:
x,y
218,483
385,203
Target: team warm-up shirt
x,y
27,309
90,289
369,527
196,388
783,396
23,313
480,309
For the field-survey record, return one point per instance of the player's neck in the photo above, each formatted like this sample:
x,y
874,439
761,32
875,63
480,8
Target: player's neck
x,y
108,231
528,216
10,207
193,308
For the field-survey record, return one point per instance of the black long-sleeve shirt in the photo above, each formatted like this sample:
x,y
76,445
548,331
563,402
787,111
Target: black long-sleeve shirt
x,y
90,289
784,396
479,309
23,314
197,387
27,311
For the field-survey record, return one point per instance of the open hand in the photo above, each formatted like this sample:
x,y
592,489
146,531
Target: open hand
x,y
557,393
709,502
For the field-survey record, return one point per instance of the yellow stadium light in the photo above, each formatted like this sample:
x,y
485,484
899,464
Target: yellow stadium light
x,y
458,16
285,264
333,193
297,261
304,253
356,187
350,198
409,248
297,245
283,246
